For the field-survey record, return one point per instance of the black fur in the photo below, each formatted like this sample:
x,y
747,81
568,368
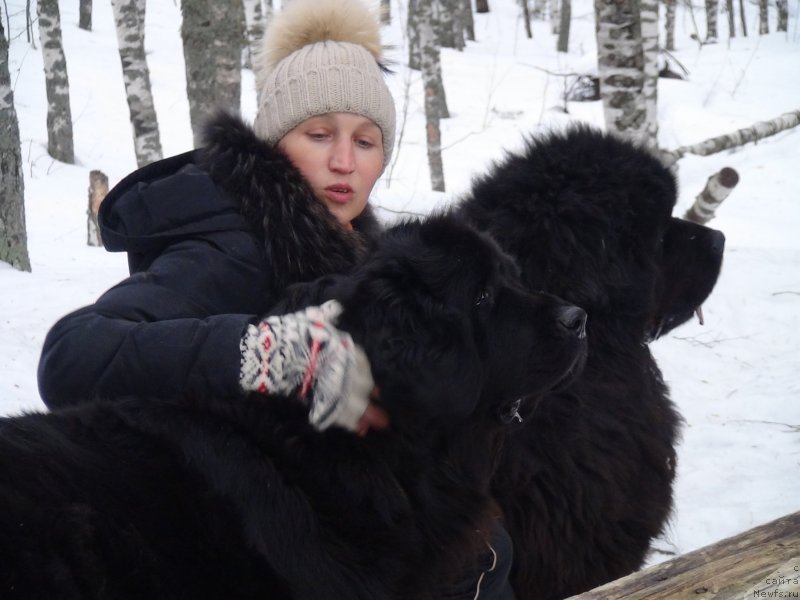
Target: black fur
x,y
239,498
586,481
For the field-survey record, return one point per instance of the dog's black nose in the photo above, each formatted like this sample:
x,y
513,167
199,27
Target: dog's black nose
x,y
573,320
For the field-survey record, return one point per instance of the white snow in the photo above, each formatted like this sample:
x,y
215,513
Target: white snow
x,y
736,380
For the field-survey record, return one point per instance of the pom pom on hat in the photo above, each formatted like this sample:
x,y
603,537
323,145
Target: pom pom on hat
x,y
322,56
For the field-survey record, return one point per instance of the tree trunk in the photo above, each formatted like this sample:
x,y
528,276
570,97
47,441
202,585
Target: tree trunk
x,y
731,18
743,18
738,138
718,187
432,84
555,16
783,15
13,237
129,18
712,9
563,28
386,12
98,190
648,12
449,26
467,19
620,64
85,15
539,10
229,26
763,16
669,25
59,116
526,18
254,24
481,6
213,34
412,29
425,16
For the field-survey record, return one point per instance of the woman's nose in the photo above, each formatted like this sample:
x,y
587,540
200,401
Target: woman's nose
x,y
343,158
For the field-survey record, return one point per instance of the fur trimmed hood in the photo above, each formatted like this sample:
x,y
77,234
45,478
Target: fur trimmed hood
x,y
235,182
301,238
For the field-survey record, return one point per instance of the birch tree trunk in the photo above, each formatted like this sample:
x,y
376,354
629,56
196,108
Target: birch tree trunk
x,y
763,16
432,83
254,24
563,29
712,10
755,132
13,236
60,143
447,16
620,62
731,18
129,19
526,18
481,6
229,26
669,25
467,19
783,15
412,28
85,15
213,34
742,18
555,16
424,16
386,12
648,13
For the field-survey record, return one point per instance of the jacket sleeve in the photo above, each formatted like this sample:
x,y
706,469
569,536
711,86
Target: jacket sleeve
x,y
168,331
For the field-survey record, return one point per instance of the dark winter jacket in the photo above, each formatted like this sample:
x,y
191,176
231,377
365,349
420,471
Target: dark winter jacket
x,y
213,238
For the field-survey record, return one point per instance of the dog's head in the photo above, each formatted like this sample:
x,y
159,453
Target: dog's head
x,y
690,262
588,218
449,330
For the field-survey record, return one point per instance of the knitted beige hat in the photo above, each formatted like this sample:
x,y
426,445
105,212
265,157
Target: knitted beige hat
x,y
322,56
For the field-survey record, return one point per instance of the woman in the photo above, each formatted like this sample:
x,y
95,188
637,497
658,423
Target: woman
x,y
215,236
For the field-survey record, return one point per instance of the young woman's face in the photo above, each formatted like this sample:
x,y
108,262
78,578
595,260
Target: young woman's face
x,y
341,156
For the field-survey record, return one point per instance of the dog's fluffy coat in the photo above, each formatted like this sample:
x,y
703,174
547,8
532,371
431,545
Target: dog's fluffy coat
x,y
585,481
240,498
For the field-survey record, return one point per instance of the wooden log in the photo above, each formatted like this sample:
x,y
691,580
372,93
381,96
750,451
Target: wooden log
x,y
98,188
718,187
763,562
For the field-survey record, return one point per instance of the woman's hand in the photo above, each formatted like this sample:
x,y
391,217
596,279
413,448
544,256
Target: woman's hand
x,y
305,354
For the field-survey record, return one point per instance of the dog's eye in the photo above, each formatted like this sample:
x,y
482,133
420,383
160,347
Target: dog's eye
x,y
483,297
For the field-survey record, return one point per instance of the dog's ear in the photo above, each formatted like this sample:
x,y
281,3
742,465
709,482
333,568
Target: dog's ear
x,y
423,353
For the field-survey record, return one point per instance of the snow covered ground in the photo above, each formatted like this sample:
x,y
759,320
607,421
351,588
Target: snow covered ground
x,y
736,380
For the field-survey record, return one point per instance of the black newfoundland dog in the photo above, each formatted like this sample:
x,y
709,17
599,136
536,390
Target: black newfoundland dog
x,y
240,498
585,481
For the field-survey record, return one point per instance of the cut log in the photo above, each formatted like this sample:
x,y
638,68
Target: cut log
x,y
718,187
98,188
763,562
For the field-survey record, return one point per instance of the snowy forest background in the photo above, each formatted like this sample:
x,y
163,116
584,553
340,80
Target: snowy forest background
x,y
735,380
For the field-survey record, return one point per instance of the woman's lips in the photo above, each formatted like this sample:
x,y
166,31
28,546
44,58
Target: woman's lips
x,y
339,193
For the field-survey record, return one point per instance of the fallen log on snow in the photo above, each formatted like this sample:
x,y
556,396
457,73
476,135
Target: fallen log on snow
x,y
740,137
763,562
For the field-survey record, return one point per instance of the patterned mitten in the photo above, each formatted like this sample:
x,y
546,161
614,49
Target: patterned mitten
x,y
303,352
